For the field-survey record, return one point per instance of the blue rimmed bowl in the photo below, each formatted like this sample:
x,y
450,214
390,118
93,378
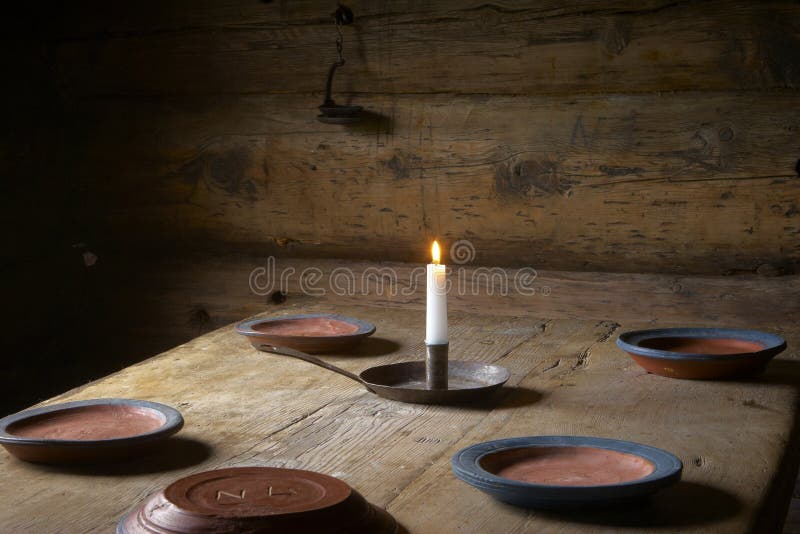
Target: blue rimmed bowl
x,y
551,472
311,333
701,353
88,431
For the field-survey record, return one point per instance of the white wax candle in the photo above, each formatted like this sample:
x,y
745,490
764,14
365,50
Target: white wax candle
x,y
436,310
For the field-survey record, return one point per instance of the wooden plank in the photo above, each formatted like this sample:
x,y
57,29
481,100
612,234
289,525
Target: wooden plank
x,y
151,305
336,444
282,394
575,400
164,303
647,183
175,16
246,408
408,47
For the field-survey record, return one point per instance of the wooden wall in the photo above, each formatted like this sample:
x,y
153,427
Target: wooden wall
x,y
177,141
646,136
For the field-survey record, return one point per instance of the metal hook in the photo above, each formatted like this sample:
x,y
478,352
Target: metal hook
x,y
331,112
344,15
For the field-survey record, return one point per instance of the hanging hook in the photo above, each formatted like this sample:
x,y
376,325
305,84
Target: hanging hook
x,y
344,15
331,112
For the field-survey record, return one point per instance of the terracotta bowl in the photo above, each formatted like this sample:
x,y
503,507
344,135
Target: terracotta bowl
x,y
701,353
314,333
257,499
551,472
88,431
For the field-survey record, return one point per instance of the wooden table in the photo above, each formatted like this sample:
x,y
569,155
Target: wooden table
x,y
242,408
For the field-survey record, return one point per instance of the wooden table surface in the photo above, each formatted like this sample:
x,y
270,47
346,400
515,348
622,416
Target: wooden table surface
x,y
737,439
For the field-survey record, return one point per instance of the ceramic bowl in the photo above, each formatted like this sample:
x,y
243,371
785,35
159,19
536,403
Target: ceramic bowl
x,y
701,353
551,472
257,499
313,333
89,431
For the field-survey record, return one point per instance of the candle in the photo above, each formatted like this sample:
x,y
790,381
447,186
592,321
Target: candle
x,y
436,316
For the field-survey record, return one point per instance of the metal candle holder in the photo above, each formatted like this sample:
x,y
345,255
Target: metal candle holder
x,y
436,366
433,381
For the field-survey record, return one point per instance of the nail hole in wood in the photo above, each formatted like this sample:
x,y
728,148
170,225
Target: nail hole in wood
x,y
199,317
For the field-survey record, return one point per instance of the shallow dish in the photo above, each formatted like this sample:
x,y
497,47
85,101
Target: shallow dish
x,y
257,499
565,471
314,333
88,431
701,353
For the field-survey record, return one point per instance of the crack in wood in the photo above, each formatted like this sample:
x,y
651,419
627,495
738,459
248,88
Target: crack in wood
x,y
552,366
670,179
583,359
577,13
613,325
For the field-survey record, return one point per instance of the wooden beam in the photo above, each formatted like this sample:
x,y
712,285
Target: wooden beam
x,y
453,47
646,183
172,301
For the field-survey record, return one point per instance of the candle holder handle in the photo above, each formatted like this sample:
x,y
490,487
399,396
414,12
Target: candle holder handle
x,y
436,366
286,351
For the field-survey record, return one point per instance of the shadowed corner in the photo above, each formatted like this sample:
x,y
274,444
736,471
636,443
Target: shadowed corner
x,y
676,506
175,453
774,508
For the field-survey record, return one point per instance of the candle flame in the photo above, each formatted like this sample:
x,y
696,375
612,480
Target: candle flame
x,y
436,253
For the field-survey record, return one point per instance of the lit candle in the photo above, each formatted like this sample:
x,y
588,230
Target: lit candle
x,y
436,317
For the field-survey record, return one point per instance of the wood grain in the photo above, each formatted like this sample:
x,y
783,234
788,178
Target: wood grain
x,y
624,136
600,136
447,47
250,408
646,183
165,303
133,309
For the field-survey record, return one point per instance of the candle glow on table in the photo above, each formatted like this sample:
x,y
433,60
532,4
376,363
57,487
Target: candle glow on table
x,y
436,311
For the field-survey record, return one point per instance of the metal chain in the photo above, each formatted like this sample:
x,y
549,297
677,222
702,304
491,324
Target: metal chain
x,y
339,42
